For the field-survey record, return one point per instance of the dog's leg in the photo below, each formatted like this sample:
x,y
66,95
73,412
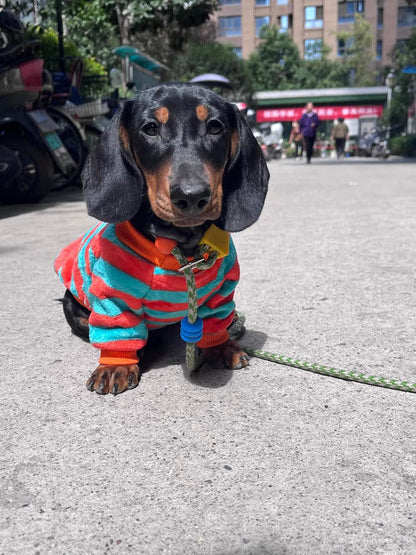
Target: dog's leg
x,y
228,355
114,379
76,315
105,378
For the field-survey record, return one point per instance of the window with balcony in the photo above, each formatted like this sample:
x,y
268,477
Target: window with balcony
x,y
229,26
347,10
344,46
379,50
285,23
261,22
262,2
228,2
406,17
313,49
314,17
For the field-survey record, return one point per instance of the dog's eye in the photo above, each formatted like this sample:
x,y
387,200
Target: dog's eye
x,y
214,127
151,129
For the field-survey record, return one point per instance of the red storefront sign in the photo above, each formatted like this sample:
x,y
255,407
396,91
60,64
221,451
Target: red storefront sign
x,y
324,112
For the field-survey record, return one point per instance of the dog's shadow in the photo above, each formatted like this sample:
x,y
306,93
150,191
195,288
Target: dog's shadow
x,y
164,347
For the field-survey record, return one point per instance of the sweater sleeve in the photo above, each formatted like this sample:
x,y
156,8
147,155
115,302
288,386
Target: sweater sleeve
x,y
218,311
116,321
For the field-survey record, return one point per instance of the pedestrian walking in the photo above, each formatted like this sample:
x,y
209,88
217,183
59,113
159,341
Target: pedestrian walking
x,y
296,139
340,136
309,123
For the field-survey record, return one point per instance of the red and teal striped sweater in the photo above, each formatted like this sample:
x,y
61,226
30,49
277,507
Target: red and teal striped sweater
x,y
130,287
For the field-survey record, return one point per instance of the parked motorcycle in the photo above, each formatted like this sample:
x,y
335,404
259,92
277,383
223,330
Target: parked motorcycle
x,y
274,150
374,143
32,134
10,165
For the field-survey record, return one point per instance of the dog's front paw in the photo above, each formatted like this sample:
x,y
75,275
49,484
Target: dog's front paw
x,y
114,379
228,355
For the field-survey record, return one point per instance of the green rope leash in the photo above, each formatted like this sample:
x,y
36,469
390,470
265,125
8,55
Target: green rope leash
x,y
388,383
194,360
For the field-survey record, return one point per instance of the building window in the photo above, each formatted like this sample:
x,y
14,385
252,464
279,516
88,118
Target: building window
x,y
406,17
282,2
380,15
285,23
379,49
262,2
344,46
261,22
347,10
314,17
238,51
229,26
313,49
228,2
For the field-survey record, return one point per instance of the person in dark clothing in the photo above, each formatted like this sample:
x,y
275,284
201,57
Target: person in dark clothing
x,y
309,123
340,136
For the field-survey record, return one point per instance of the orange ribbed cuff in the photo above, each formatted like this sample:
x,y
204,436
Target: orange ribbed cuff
x,y
213,339
118,357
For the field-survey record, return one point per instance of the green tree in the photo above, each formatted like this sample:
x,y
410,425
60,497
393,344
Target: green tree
x,y
214,57
97,26
275,62
320,71
405,90
359,51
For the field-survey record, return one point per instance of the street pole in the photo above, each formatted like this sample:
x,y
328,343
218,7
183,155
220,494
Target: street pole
x,y
390,82
60,28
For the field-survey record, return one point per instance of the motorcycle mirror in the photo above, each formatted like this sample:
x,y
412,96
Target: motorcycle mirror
x,y
116,78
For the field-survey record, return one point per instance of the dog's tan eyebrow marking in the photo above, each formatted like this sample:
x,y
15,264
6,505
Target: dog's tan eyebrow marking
x,y
162,114
124,137
201,112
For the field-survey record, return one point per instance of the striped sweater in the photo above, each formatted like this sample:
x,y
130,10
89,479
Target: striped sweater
x,y
130,287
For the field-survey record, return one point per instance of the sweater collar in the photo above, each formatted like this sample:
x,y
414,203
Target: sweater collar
x,y
143,246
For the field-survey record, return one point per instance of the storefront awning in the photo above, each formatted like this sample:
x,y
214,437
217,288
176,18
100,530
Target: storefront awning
x,y
324,112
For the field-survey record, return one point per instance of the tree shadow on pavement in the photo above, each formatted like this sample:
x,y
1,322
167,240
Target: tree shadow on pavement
x,y
72,194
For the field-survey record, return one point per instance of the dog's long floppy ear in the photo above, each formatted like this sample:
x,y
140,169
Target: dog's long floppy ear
x,y
113,183
245,180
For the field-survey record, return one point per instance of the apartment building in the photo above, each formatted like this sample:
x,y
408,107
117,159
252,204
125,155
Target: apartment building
x,y
310,22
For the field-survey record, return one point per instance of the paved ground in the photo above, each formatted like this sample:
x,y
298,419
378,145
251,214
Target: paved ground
x,y
267,460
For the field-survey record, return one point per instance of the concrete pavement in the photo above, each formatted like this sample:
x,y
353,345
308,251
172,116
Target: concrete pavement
x,y
267,460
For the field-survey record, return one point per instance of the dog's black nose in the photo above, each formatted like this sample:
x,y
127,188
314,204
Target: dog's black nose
x,y
190,199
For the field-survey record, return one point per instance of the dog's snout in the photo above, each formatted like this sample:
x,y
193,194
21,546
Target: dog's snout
x,y
190,199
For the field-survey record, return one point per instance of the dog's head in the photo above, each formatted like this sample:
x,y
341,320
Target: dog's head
x,y
188,150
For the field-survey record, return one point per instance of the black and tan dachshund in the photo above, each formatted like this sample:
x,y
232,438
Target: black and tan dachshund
x,y
173,161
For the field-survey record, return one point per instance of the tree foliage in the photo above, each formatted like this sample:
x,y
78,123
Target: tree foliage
x,y
404,92
214,57
359,51
273,65
277,65
155,26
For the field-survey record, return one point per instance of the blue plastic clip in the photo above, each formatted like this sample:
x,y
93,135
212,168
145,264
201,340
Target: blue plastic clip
x,y
191,333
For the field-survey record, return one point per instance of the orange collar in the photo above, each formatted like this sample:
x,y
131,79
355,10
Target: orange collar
x,y
127,233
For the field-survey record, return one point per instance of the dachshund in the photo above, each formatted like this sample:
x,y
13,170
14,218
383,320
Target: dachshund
x,y
175,163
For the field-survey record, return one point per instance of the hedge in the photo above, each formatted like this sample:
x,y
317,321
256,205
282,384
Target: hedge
x,y
403,146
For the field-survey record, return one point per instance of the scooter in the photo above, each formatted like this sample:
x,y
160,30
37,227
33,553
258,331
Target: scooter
x,y
29,133
10,165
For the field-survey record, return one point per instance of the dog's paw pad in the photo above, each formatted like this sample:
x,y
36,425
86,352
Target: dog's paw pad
x,y
114,379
